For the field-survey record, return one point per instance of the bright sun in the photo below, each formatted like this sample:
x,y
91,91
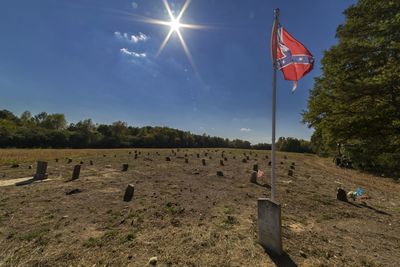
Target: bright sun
x,y
175,25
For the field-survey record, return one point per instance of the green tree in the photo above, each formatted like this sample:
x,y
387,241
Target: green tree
x,y
356,101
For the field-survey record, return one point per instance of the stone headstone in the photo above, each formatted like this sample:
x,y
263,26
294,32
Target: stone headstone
x,y
129,191
253,177
290,172
69,160
15,166
255,167
41,170
167,159
341,195
244,160
76,172
220,173
292,167
203,161
247,157
269,163
125,167
221,162
198,155
266,157
269,225
56,160
186,160
91,162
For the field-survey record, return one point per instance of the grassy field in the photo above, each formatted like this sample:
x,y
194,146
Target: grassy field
x,y
186,215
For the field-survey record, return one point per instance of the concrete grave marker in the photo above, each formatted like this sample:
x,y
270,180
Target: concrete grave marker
x,y
269,225
76,172
255,167
253,177
41,170
129,191
125,167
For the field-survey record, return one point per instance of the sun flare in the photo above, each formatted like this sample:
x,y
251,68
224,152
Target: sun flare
x,y
175,25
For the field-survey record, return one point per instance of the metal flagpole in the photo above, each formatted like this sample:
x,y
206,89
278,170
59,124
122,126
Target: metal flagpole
x,y
274,54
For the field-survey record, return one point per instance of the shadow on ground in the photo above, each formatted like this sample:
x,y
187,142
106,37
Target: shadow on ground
x,y
283,260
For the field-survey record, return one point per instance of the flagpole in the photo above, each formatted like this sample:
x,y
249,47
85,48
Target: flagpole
x,y
274,54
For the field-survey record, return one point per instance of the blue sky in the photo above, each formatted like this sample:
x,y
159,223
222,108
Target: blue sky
x,y
97,59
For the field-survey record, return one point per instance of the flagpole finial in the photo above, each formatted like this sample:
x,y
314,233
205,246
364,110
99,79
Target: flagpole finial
x,y
277,12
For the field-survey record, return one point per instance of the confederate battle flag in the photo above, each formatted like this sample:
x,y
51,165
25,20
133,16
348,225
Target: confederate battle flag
x,y
293,58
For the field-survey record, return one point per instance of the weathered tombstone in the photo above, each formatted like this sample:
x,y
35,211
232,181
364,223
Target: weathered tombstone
x,y
290,172
269,225
41,170
293,163
81,162
292,167
125,167
269,163
15,166
255,167
281,162
56,160
253,177
30,167
69,161
247,157
76,172
130,152
266,157
186,160
221,162
129,191
136,156
225,159
91,162
244,160
198,155
220,173
203,161
167,159
341,195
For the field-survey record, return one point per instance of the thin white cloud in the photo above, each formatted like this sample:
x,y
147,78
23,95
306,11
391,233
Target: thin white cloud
x,y
245,129
132,53
141,37
135,5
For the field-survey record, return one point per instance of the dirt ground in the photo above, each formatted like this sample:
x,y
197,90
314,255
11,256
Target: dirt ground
x,y
186,215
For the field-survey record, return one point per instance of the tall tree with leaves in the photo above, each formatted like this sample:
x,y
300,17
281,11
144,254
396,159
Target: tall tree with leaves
x,y
356,101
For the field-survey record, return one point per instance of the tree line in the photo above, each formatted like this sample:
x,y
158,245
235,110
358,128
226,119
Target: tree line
x,y
52,131
354,105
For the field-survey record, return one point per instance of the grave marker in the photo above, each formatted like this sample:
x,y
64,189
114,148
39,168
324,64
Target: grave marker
x,y
41,170
76,172
125,167
129,191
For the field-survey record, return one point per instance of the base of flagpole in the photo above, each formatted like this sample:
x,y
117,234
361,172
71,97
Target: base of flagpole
x,y
269,225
